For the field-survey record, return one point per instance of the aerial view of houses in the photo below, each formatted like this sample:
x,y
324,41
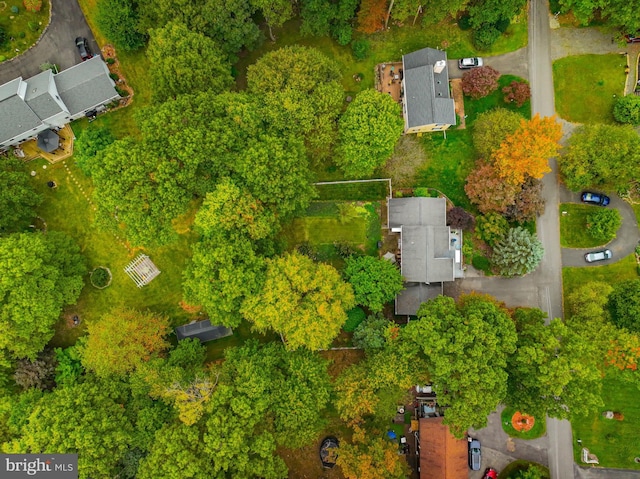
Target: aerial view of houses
x,y
323,239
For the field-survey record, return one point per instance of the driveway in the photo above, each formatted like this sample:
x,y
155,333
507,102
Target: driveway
x,y
498,449
604,473
55,46
624,243
512,63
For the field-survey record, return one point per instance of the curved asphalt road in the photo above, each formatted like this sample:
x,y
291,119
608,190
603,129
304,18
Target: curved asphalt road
x,y
55,46
624,244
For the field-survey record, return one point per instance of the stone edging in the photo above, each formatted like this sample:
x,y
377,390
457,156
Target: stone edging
x,y
39,38
108,282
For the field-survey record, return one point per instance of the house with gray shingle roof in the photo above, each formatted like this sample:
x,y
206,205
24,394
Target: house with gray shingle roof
x,y
430,253
48,100
426,102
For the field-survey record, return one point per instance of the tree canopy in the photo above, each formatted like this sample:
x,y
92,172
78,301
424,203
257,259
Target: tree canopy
x,y
303,301
518,253
375,281
368,132
18,198
41,274
465,346
183,61
491,128
119,20
601,156
122,339
624,305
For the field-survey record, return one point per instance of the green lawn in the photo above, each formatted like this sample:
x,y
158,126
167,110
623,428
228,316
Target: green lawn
x,y
622,270
66,209
22,29
539,426
472,108
586,87
573,226
614,442
385,47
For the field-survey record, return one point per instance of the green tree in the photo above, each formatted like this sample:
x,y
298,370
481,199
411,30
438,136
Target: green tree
x,y
18,198
491,228
465,346
41,274
624,305
230,25
182,61
87,419
604,156
38,373
275,13
375,281
221,275
627,109
554,370
491,128
372,332
368,133
304,302
616,13
324,17
518,253
119,20
603,224
492,12
123,339
89,143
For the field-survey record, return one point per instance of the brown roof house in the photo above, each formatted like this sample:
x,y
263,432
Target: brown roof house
x,y
426,102
441,455
430,252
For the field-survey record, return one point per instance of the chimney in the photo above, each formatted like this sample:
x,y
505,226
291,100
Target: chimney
x,y
439,66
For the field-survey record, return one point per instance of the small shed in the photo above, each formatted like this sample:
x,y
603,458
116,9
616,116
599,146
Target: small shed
x,y
203,330
142,270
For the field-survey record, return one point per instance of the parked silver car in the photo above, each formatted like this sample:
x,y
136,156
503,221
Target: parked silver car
x,y
466,63
598,256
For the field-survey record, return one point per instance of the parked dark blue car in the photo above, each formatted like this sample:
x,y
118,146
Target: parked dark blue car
x,y
595,198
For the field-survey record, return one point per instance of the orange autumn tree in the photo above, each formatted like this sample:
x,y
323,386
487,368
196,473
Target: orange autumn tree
x,y
372,15
625,351
527,151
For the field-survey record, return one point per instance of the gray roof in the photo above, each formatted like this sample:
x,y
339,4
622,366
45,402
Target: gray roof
x,y
86,85
203,330
408,301
40,93
16,118
10,88
426,93
427,255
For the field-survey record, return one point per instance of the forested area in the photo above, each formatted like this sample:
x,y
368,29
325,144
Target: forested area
x,y
239,165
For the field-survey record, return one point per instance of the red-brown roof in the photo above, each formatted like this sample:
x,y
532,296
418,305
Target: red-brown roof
x,y
441,455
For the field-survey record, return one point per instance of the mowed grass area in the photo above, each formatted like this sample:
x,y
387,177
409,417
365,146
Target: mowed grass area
x,y
472,108
385,47
573,226
66,209
21,29
614,442
587,86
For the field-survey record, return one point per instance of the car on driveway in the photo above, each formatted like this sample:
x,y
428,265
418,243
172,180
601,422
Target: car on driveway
x,y
83,48
466,63
595,198
475,455
598,256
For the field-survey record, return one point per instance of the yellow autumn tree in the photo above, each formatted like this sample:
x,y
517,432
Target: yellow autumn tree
x,y
375,458
527,151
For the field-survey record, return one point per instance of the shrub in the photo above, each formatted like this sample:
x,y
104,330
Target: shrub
x,y
459,218
33,26
502,24
464,22
15,9
480,262
355,316
485,36
491,228
421,192
110,61
90,142
100,277
2,58
361,49
480,82
603,224
32,5
342,34
123,93
517,92
3,37
627,109
114,76
21,34
518,253
370,334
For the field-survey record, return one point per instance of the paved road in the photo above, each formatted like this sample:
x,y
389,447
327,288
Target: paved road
x,y
604,473
56,45
624,244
